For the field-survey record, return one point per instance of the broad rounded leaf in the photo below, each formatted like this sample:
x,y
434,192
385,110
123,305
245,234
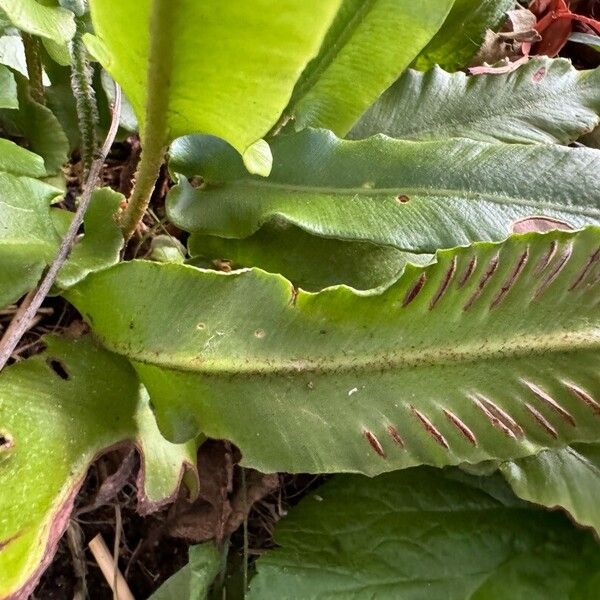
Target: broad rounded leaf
x,y
308,261
51,22
424,534
546,101
491,353
219,80
568,478
455,44
417,197
58,411
369,44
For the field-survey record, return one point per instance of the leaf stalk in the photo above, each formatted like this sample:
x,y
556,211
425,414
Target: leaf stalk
x,y
35,71
155,134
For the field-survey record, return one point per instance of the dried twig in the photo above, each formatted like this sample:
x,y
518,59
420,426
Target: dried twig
x,y
113,576
29,307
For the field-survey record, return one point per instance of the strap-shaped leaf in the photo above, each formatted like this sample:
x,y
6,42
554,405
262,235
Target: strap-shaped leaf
x,y
417,197
546,101
216,54
490,353
568,477
422,534
8,89
308,261
359,59
193,581
462,33
31,231
58,411
39,126
50,22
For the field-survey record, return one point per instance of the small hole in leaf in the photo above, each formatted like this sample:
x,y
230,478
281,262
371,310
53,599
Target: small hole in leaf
x,y
539,75
201,326
59,368
6,441
402,199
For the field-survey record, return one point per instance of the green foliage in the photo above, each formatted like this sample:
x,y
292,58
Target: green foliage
x,y
546,101
38,126
417,197
569,478
492,352
383,312
58,411
218,84
424,533
49,22
194,580
28,238
341,83
308,261
19,161
461,34
8,89
31,232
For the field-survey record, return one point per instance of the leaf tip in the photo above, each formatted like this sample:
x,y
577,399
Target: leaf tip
x,y
258,158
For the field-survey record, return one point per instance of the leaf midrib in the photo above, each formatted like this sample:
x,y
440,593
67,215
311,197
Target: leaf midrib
x,y
327,59
424,192
527,345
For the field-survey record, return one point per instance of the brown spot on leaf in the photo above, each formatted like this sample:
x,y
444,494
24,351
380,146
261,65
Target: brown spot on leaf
x,y
511,279
592,260
489,272
395,436
539,75
549,401
541,420
7,541
467,272
547,258
259,334
430,428
554,272
414,290
497,417
374,442
539,225
402,199
294,295
444,284
462,427
581,394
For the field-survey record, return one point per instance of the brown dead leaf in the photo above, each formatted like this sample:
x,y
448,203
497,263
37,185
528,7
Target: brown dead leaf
x,y
221,505
512,42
